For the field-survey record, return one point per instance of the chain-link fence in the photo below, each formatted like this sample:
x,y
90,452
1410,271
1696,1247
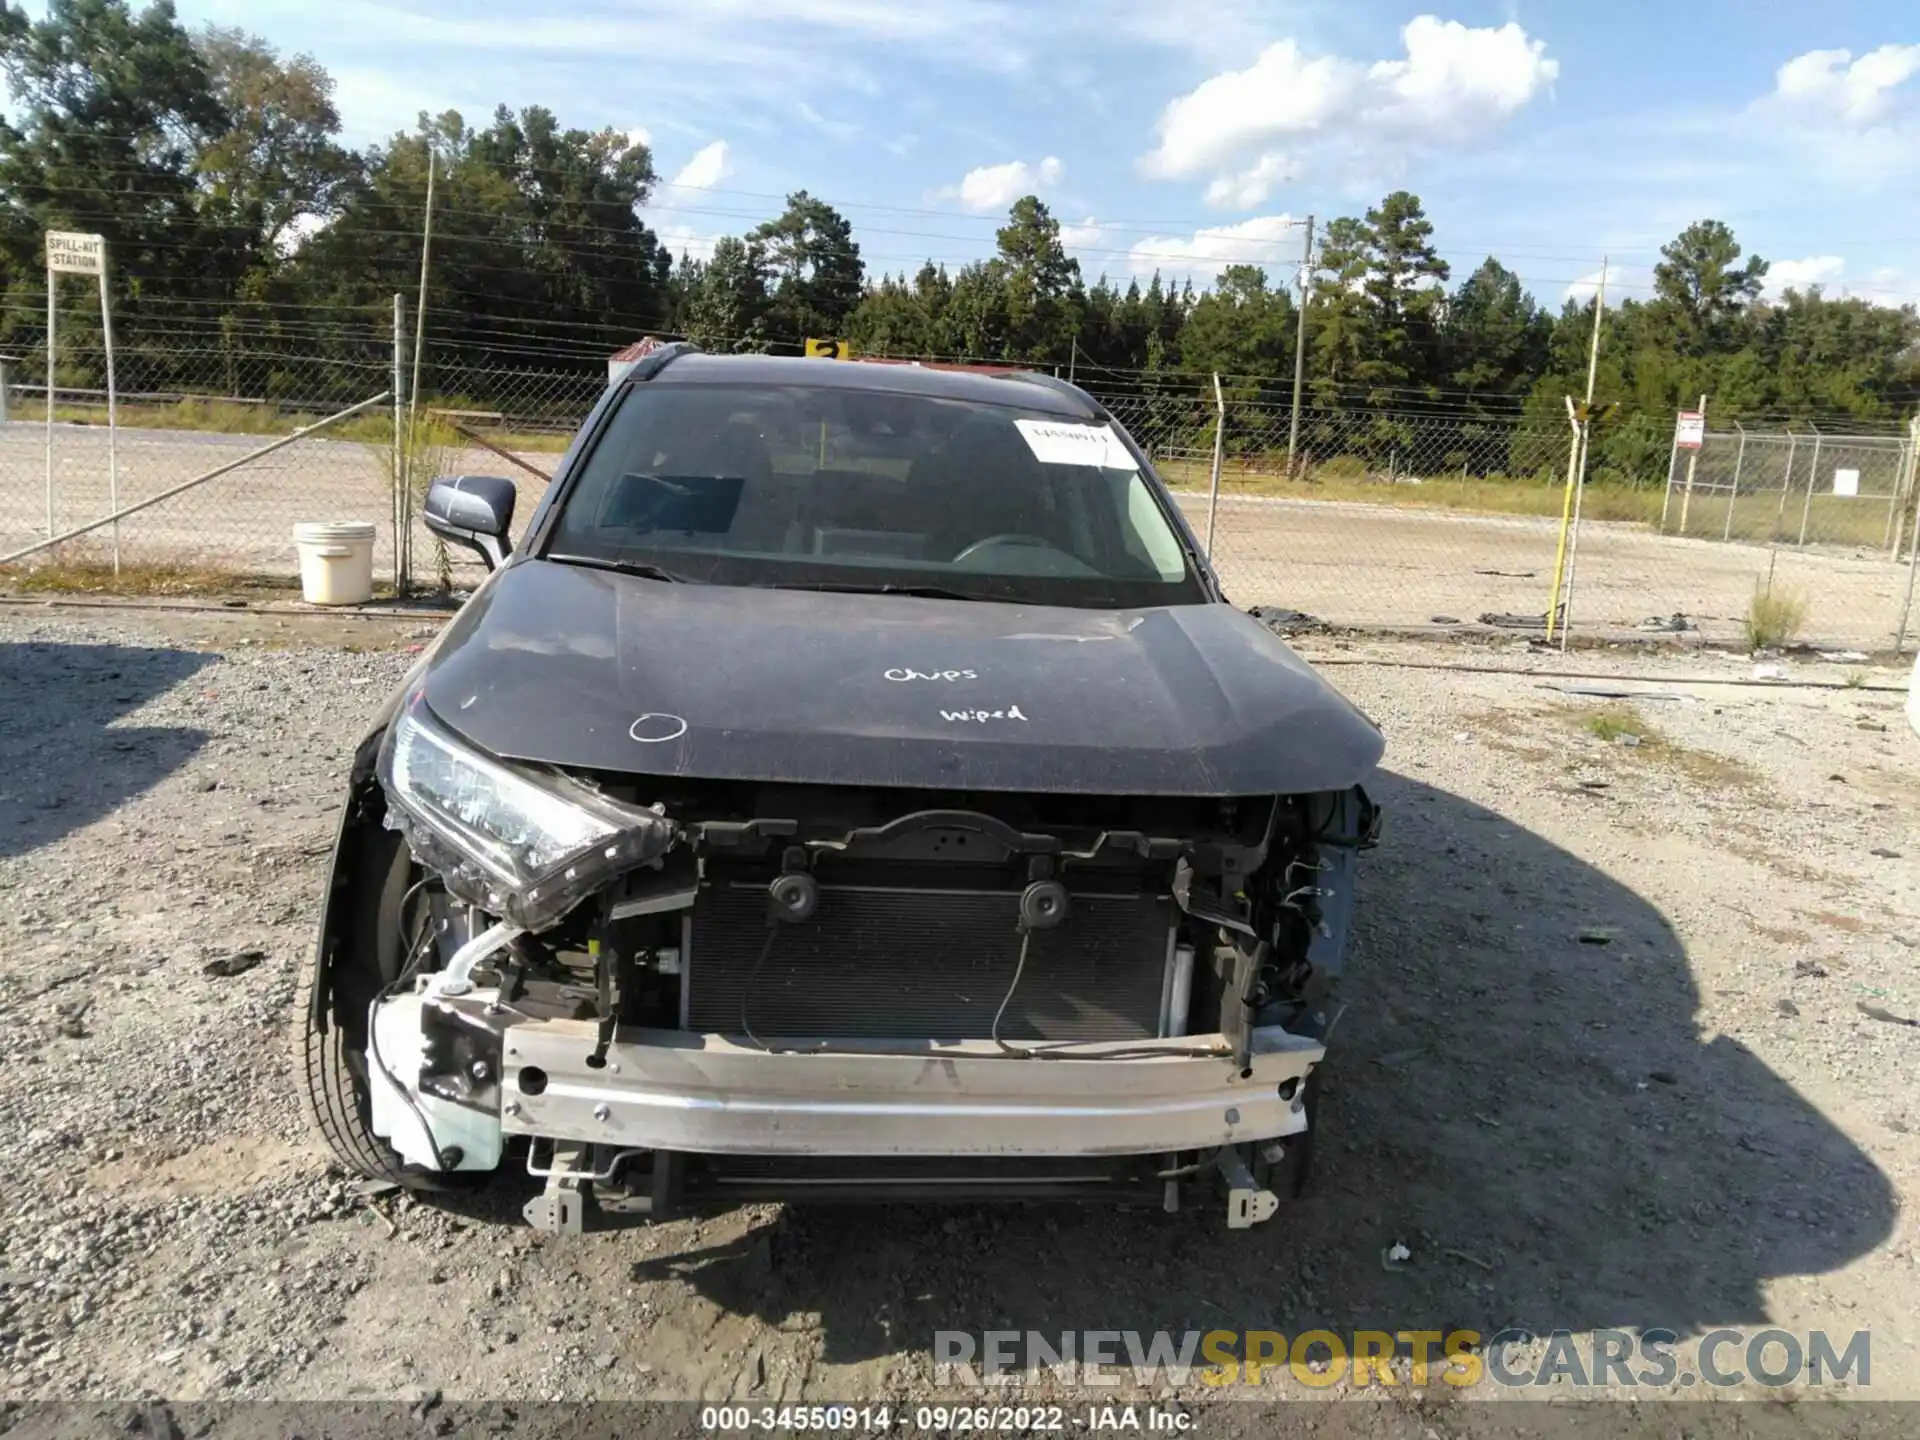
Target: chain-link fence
x,y
1365,517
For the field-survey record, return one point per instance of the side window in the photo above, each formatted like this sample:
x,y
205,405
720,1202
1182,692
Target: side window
x,y
1149,537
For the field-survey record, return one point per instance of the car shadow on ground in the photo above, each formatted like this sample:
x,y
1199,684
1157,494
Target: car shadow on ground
x,y
74,695
1538,1119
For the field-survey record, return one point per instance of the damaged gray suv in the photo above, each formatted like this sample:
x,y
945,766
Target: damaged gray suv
x,y
854,785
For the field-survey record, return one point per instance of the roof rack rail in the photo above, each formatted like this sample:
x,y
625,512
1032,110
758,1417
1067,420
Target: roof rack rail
x,y
654,361
1058,386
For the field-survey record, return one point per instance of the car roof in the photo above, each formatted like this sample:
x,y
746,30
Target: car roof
x,y
1025,390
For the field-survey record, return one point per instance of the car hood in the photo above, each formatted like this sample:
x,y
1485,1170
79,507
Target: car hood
x,y
590,669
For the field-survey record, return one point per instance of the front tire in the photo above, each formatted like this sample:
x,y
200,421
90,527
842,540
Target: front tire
x,y
357,956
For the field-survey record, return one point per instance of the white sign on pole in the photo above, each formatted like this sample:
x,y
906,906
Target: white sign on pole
x,y
73,253
1846,482
1691,431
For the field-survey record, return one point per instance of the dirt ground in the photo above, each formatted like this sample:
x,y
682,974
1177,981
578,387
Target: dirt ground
x,y
1623,1048
1349,563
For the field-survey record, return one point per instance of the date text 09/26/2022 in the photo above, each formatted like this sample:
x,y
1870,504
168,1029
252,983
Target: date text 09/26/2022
x,y
943,1419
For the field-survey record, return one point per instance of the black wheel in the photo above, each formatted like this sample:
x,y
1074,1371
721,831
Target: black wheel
x,y
330,1031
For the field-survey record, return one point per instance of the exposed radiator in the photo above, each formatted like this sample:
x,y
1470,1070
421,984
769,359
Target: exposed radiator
x,y
875,962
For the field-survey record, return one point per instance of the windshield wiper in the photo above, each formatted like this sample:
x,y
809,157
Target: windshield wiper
x,y
925,592
641,568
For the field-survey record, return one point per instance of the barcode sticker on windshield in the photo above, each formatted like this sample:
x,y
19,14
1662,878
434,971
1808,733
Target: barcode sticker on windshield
x,y
1060,442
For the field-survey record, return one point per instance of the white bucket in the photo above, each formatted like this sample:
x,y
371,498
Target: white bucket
x,y
336,561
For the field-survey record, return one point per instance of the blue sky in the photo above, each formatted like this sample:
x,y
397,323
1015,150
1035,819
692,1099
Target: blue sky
x,y
1182,136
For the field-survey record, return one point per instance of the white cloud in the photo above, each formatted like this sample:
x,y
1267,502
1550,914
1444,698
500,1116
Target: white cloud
x,y
1087,235
1272,241
995,187
1623,281
841,130
1888,285
640,135
709,166
1785,275
1856,93
1844,123
1247,188
681,240
1455,84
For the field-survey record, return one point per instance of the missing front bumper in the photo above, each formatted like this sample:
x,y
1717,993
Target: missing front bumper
x,y
670,1090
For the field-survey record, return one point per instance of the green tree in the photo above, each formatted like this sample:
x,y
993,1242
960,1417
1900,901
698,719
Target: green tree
x,y
536,238
1403,288
1495,337
818,276
1040,280
276,162
1703,289
1340,317
108,111
727,310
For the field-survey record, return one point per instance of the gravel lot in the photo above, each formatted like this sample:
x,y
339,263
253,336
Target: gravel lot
x,y
1693,1124
1350,563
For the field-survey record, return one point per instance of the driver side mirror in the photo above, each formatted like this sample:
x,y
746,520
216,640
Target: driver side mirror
x,y
475,511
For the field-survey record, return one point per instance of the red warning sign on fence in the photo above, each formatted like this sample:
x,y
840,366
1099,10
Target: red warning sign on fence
x,y
1690,433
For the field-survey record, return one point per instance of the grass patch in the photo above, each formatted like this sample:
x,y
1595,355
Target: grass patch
x,y
1612,723
1714,772
1343,479
243,417
1775,615
96,577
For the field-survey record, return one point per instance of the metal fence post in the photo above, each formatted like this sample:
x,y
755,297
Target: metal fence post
x,y
3,390
1300,350
1739,459
1906,605
1673,455
52,316
1786,487
1902,485
1813,478
1693,459
402,518
1219,436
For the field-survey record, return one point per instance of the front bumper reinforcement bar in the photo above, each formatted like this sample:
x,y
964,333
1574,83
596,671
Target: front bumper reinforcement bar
x,y
671,1090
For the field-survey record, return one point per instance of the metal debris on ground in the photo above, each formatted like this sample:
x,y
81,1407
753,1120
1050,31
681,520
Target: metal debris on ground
x,y
1884,1015
1673,624
1514,622
237,963
1613,692
1278,617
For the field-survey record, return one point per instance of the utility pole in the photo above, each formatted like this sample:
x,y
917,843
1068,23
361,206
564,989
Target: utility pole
x,y
405,537
1300,347
1073,356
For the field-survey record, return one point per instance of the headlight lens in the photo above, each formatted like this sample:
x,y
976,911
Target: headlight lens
x,y
526,847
